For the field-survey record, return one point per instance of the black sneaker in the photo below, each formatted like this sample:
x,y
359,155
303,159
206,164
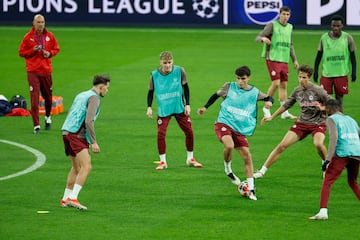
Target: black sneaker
x,y
234,179
47,123
47,126
252,195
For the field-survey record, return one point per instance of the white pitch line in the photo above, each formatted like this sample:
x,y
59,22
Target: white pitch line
x,y
40,160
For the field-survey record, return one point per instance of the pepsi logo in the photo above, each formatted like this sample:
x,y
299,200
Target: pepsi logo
x,y
262,12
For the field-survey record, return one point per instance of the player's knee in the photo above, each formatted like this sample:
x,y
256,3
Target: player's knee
x,y
352,183
228,147
281,147
161,134
247,159
189,134
275,84
88,168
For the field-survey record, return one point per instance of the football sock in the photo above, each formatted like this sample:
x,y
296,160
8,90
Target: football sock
x,y
282,103
75,192
190,155
323,211
250,183
48,118
227,166
263,170
162,157
266,112
66,193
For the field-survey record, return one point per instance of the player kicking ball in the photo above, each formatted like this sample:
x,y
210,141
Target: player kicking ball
x,y
236,121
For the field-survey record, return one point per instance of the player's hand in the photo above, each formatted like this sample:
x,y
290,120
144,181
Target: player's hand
x,y
265,119
37,48
319,106
46,54
266,40
324,165
296,65
149,112
95,148
201,111
187,110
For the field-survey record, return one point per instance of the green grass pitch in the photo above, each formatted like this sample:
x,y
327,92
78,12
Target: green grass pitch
x,y
127,198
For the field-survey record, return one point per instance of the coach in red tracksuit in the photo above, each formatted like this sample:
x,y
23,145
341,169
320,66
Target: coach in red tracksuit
x,y
38,47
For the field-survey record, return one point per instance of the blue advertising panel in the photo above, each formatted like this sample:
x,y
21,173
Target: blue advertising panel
x,y
263,12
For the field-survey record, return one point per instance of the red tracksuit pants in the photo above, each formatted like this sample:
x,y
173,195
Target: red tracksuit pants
x,y
39,83
185,125
333,171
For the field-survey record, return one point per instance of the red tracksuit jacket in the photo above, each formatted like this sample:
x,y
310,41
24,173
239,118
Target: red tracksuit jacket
x,y
35,62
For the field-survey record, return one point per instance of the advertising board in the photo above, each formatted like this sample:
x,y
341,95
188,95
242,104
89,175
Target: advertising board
x,y
180,12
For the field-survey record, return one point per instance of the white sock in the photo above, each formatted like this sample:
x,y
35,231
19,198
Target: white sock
x,y
263,170
75,192
227,166
250,183
282,103
67,193
266,112
323,211
190,155
162,157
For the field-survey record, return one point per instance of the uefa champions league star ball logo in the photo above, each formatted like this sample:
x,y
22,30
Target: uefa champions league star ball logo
x,y
262,12
206,8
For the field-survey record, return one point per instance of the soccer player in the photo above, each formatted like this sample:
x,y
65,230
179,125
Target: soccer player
x,y
277,50
310,98
236,121
172,93
344,151
78,133
336,50
38,47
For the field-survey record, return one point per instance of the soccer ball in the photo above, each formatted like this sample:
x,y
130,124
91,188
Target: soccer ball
x,y
206,8
243,188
